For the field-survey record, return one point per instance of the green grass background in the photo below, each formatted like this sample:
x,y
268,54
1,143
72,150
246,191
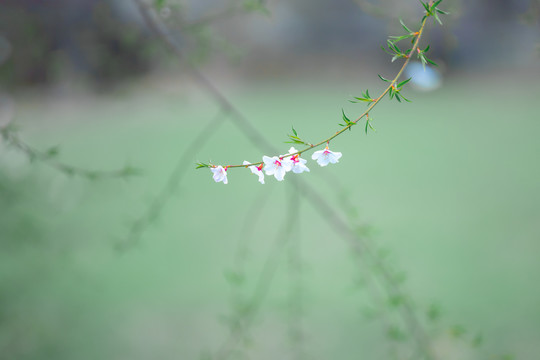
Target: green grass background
x,y
449,183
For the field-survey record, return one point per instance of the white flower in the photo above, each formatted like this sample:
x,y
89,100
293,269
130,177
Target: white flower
x,y
220,174
257,170
299,164
326,156
277,166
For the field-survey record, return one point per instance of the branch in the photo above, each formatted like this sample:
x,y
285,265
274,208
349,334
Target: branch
x,y
393,86
325,209
49,158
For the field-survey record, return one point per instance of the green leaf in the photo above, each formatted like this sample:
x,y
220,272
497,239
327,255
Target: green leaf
x,y
477,341
404,82
431,62
234,277
345,118
159,4
202,165
436,17
436,3
368,125
294,131
382,78
256,5
457,331
348,122
402,37
434,312
404,98
396,300
130,171
52,151
396,334
405,26
395,47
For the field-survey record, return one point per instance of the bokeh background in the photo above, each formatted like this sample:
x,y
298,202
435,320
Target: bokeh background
x,y
448,185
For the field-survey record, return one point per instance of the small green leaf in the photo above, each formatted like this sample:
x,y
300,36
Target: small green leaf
x,y
396,300
159,4
403,82
405,26
345,118
130,171
431,62
477,341
201,165
382,78
457,331
396,334
436,3
233,277
52,151
434,312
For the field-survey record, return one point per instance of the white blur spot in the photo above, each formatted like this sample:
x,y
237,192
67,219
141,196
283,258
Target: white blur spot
x,y
427,79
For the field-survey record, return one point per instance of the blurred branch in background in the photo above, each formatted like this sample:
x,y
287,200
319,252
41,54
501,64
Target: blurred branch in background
x,y
107,41
158,203
11,139
49,158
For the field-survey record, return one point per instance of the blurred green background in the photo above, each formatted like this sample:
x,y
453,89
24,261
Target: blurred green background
x,y
448,183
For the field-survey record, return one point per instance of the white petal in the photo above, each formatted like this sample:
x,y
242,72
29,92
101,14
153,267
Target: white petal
x,y
270,168
333,157
323,160
292,150
269,160
287,164
280,173
220,174
261,177
299,168
317,154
